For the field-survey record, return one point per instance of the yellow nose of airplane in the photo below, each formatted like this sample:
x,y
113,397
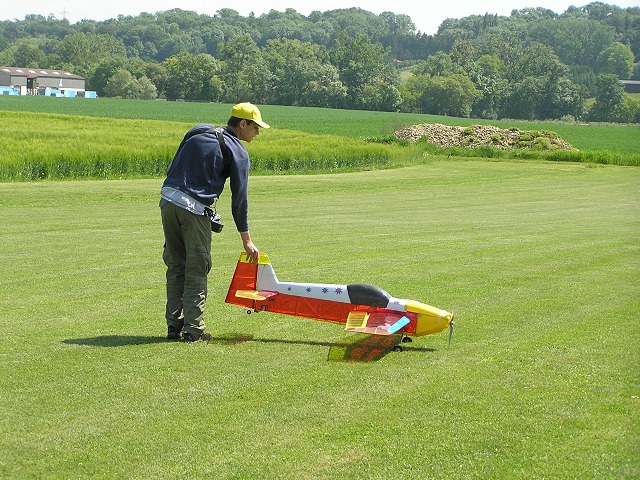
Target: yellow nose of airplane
x,y
430,319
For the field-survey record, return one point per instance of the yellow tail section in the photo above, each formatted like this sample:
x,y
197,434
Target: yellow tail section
x,y
263,258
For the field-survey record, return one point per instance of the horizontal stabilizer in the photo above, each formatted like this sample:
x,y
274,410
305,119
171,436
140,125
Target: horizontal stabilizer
x,y
254,294
376,323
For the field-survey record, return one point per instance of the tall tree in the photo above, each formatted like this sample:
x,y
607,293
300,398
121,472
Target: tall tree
x,y
616,59
193,77
412,90
25,52
609,95
300,72
522,99
576,40
361,63
103,72
124,85
439,64
86,50
244,71
487,74
453,95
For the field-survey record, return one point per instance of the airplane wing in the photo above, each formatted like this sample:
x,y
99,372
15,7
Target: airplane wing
x,y
254,294
376,323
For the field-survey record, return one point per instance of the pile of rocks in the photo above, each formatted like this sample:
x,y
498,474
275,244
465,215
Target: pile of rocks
x,y
479,135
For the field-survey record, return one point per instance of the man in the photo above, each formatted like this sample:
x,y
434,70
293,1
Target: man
x,y
195,180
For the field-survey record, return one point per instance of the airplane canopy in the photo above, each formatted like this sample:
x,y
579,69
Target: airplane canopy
x,y
369,295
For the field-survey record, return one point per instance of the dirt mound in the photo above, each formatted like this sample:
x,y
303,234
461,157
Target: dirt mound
x,y
481,135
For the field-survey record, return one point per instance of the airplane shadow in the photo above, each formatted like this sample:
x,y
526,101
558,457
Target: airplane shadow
x,y
358,348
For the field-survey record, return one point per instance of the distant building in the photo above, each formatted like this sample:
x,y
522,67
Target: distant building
x,y
38,81
631,86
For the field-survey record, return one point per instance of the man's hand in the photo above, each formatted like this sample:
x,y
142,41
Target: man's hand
x,y
249,247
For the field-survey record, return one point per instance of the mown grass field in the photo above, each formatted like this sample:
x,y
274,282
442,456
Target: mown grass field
x,y
539,261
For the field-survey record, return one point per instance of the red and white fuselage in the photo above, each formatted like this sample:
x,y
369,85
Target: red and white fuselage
x,y
361,307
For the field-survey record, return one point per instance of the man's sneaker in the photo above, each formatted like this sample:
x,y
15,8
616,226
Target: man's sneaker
x,y
173,334
205,337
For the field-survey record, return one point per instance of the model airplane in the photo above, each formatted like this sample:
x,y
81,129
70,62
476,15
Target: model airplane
x,y
362,308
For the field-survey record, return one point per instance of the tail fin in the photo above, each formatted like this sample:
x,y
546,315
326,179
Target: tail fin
x,y
245,278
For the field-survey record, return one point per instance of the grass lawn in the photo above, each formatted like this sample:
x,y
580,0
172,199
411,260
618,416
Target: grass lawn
x,y
539,261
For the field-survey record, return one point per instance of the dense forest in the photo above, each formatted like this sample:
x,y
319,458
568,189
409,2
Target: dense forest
x,y
533,64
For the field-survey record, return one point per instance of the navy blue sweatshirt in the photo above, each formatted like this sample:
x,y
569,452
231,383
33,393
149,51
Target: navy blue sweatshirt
x,y
197,169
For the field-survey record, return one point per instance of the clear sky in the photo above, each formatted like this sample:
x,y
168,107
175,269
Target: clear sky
x,y
426,15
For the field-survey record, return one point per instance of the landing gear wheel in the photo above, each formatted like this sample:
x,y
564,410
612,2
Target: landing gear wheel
x,y
407,339
398,348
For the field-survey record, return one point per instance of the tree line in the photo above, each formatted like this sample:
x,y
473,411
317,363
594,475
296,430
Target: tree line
x,y
532,64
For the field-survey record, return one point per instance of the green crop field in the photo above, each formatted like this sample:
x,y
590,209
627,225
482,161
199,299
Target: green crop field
x,y
349,123
44,137
538,260
40,146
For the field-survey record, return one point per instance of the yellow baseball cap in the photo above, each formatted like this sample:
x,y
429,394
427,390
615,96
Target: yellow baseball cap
x,y
248,111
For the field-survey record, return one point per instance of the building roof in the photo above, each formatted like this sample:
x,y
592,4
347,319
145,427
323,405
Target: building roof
x,y
39,72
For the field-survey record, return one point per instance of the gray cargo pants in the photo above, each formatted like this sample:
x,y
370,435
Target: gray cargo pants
x,y
187,255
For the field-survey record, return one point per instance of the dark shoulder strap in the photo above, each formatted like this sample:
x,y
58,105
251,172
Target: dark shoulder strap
x,y
226,155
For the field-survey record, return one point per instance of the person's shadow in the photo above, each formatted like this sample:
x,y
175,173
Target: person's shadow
x,y
114,340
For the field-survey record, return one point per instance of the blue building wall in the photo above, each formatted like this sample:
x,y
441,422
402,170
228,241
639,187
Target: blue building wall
x,y
9,91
